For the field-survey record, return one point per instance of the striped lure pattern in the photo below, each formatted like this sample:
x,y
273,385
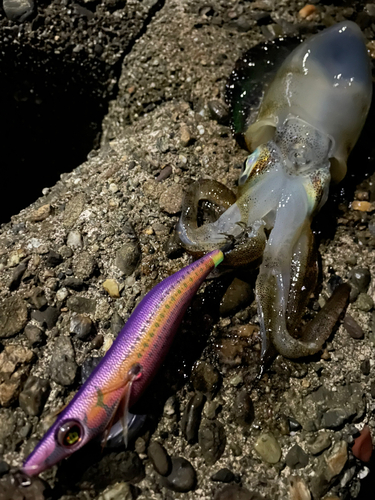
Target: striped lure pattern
x,y
126,369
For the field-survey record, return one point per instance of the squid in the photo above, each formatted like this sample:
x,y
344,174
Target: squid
x,y
308,122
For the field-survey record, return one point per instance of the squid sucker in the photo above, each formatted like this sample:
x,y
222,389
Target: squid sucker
x,y
126,369
308,122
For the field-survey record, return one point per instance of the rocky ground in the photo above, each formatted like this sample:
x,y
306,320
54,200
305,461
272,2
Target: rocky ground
x,y
76,262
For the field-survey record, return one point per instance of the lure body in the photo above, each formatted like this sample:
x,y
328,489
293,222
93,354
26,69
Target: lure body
x,y
126,369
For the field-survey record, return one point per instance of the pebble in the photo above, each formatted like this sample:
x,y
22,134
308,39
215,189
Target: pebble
x,y
362,206
34,395
192,416
111,287
73,209
84,265
4,468
364,302
238,294
172,248
336,459
363,448
186,138
119,491
14,367
352,327
62,294
128,257
15,257
365,367
73,283
63,367
81,326
212,440
296,458
74,239
218,112
298,489
47,318
35,335
164,174
37,298
268,448
53,259
321,443
17,274
235,492
243,408
117,323
223,476
306,11
205,378
81,304
20,10
13,316
182,477
171,199
333,419
159,458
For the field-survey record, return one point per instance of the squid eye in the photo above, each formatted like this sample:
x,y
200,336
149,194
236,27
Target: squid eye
x,y
69,434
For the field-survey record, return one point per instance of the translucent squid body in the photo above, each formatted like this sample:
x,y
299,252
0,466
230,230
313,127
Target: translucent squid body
x,y
308,122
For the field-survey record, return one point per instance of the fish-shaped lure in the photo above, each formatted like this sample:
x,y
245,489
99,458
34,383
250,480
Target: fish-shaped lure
x,y
127,368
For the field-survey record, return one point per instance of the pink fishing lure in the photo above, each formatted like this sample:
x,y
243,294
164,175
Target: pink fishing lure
x,y
126,369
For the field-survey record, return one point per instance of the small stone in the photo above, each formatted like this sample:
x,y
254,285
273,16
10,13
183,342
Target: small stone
x,y
117,323
186,137
212,440
307,11
14,368
13,316
237,295
243,408
97,341
362,206
296,458
182,478
53,259
111,287
172,248
164,174
223,476
128,257
191,417
34,395
268,448
118,491
73,209
17,274
235,492
205,378
336,460
62,294
298,489
47,318
74,239
171,200
321,443
170,407
18,10
35,335
159,458
15,257
81,304
333,419
84,265
364,302
360,277
81,326
4,468
362,448
37,298
365,367
74,284
63,367
352,327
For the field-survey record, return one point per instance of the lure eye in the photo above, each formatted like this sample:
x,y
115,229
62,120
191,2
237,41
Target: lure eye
x,y
69,434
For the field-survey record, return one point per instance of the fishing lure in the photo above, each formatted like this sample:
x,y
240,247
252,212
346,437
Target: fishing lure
x,y
126,369
307,123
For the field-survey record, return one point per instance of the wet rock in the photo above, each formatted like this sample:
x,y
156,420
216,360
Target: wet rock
x,y
37,298
117,323
128,257
191,417
334,419
34,395
363,448
364,302
352,327
223,476
13,316
47,318
296,458
298,489
365,367
171,200
81,304
212,440
218,111
119,491
84,265
63,367
164,174
73,209
235,492
205,378
44,211
172,248
336,459
182,478
74,284
159,458
170,406
17,274
4,468
111,287
268,448
186,137
53,259
15,363
321,443
74,239
20,10
238,294
243,408
81,326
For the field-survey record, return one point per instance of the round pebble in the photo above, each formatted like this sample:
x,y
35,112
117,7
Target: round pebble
x,y
159,458
268,448
182,477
